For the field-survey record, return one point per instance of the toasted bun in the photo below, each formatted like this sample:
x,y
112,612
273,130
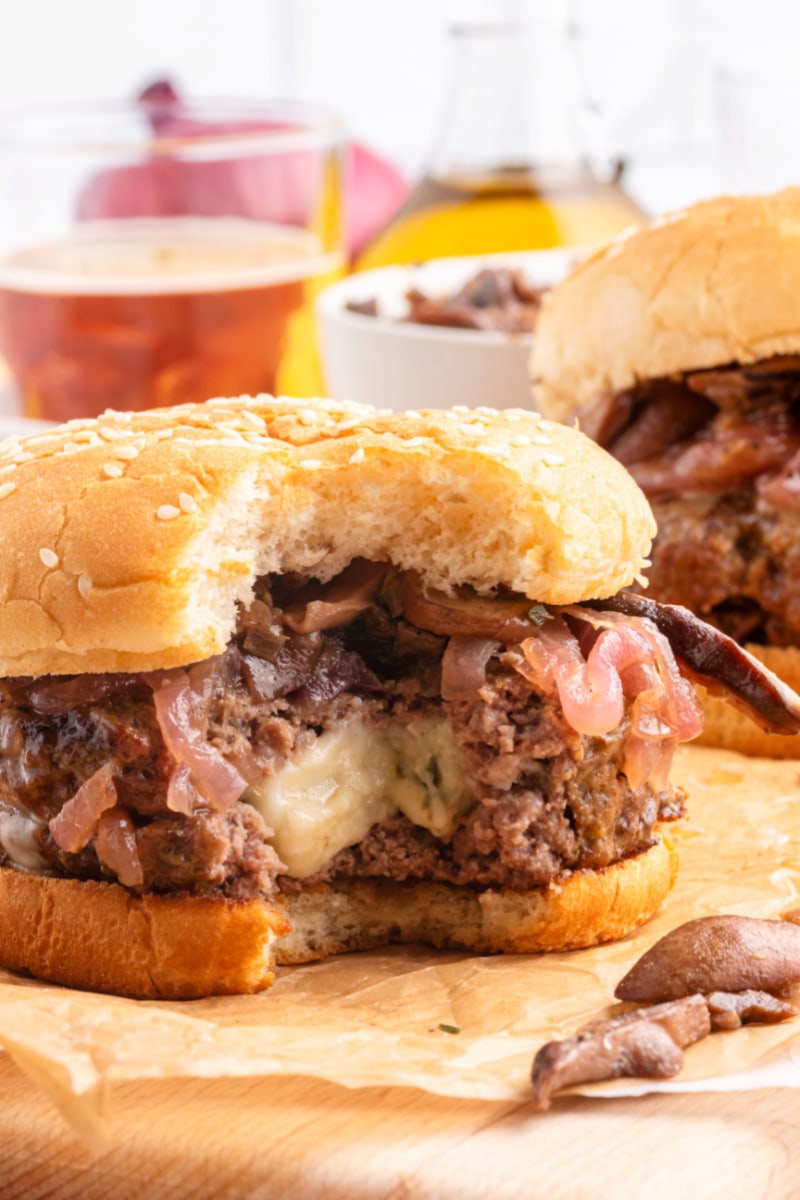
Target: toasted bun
x,y
100,937
126,542
583,909
716,283
730,729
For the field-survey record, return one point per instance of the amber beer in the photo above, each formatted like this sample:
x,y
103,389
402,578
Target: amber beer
x,y
145,313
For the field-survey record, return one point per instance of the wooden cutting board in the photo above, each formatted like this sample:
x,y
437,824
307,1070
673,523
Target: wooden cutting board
x,y
285,1138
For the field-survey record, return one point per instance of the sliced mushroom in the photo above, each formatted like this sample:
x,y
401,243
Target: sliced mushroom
x,y
709,657
730,1010
507,618
331,605
721,953
647,1042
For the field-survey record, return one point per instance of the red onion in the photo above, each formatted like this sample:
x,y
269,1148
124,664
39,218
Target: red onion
x,y
75,825
117,849
181,714
464,666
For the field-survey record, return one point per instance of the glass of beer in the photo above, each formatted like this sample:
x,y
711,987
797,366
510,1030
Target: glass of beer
x,y
163,251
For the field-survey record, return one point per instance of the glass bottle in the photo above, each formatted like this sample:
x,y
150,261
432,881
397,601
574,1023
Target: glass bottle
x,y
509,169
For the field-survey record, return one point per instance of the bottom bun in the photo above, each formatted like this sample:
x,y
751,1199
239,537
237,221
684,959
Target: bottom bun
x,y
585,908
100,937
730,729
103,938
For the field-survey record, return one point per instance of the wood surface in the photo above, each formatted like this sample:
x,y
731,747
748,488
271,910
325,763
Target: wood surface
x,y
262,1138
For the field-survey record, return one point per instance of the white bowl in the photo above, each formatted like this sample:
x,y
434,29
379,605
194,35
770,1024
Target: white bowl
x,y
396,364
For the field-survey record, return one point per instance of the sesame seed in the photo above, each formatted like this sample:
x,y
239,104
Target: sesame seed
x,y
460,408
6,489
553,460
160,434
416,441
84,586
23,456
48,557
539,440
166,512
487,412
310,464
188,503
126,452
113,470
357,456
253,419
70,447
412,412
110,434
307,416
519,441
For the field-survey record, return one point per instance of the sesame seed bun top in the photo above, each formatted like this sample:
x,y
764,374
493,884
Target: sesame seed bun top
x,y
126,542
716,283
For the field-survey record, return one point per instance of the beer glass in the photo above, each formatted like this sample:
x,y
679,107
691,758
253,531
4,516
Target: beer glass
x,y
159,251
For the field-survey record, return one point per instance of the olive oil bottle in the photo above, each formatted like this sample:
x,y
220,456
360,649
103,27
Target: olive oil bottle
x,y
510,169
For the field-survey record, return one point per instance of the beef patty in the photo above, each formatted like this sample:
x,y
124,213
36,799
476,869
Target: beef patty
x,y
545,799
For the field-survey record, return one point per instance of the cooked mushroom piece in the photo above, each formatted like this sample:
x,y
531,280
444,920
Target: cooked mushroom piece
x,y
730,1010
725,953
647,1042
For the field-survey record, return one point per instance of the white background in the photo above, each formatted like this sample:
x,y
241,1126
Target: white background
x,y
650,64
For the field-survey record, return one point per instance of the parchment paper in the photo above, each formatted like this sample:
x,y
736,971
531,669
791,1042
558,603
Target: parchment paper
x,y
374,1019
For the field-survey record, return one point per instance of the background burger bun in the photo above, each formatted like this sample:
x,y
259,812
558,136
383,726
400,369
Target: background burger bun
x,y
715,283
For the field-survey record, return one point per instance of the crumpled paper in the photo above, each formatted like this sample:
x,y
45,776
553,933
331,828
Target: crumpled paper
x,y
382,1018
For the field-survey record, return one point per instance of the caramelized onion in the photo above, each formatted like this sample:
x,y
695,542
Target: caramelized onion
x,y
629,660
464,666
590,691
74,827
117,849
181,714
663,698
715,660
182,795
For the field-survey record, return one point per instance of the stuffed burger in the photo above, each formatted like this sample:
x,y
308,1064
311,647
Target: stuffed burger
x,y
280,679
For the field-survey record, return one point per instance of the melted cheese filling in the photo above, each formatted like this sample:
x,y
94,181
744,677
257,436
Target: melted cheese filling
x,y
17,840
328,795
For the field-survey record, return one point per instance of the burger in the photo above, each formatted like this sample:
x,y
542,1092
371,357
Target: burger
x,y
282,679
677,348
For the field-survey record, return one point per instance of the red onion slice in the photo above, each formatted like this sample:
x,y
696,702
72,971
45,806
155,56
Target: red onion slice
x,y
74,827
181,714
464,666
117,848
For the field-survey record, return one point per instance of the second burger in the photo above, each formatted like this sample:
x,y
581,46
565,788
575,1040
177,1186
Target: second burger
x,y
677,347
